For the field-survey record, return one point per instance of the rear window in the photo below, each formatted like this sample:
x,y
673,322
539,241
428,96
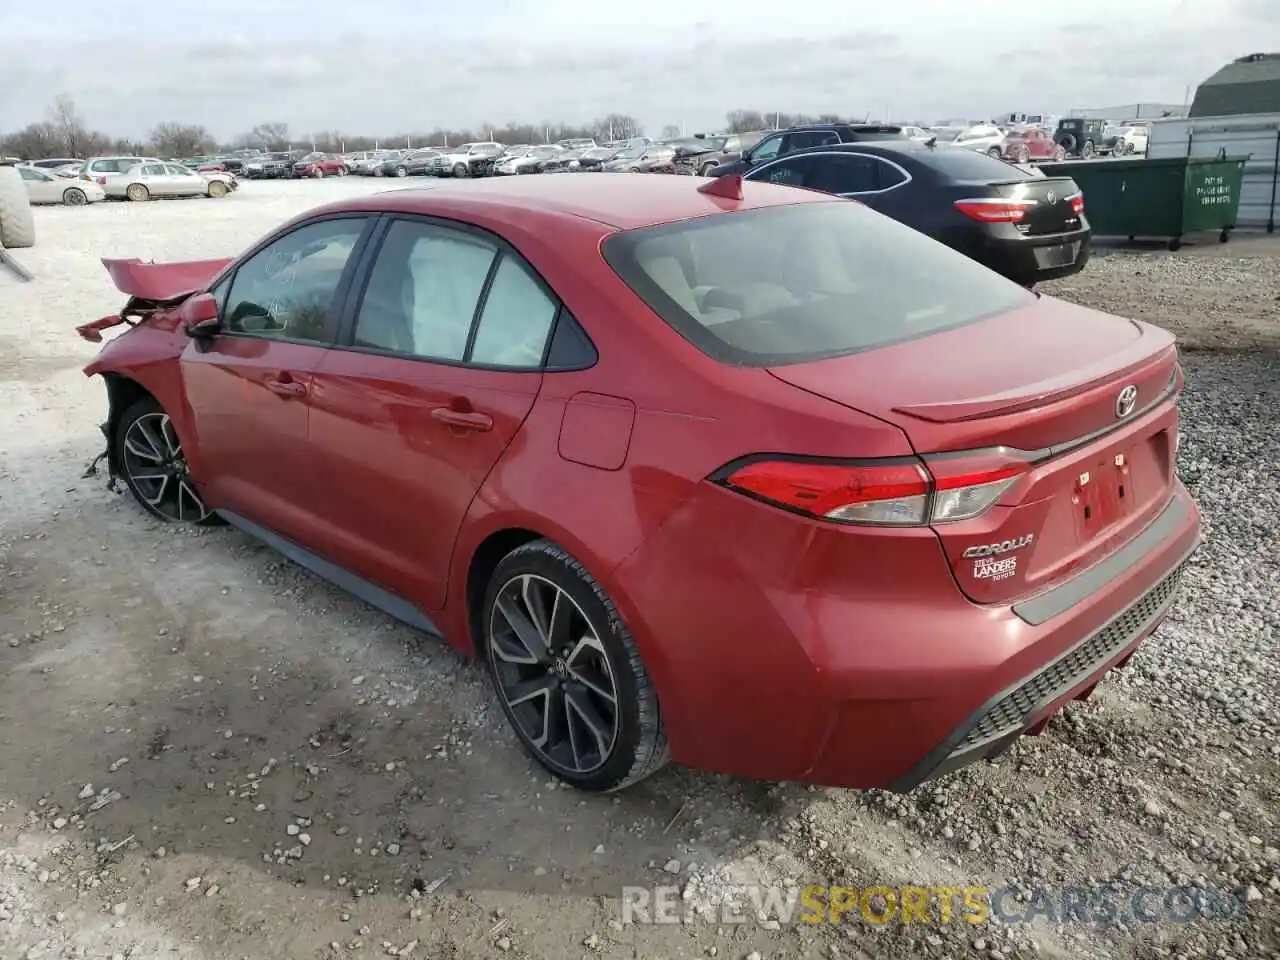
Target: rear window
x,y
961,164
792,284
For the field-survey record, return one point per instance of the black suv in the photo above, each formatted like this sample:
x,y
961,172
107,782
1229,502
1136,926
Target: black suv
x,y
1080,137
779,142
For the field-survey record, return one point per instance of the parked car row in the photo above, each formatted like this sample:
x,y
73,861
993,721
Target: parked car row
x,y
78,182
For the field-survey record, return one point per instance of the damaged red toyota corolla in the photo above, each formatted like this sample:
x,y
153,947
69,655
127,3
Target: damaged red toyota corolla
x,y
745,476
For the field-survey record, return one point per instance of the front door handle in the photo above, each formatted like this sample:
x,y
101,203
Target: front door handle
x,y
286,388
463,420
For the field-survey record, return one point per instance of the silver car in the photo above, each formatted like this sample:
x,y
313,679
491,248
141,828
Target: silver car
x,y
153,179
98,169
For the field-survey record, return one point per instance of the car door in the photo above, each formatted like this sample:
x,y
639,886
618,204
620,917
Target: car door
x,y
184,182
439,367
153,177
247,387
41,187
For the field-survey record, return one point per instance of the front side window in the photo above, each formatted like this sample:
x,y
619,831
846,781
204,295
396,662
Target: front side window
x,y
796,283
286,290
767,150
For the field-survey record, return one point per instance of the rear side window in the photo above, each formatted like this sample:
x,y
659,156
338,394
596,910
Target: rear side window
x,y
792,284
962,164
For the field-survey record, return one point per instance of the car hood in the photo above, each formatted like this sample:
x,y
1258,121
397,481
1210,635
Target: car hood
x,y
148,280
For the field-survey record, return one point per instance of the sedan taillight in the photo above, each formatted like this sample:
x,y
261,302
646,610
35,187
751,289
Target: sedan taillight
x,y
900,492
1077,203
995,209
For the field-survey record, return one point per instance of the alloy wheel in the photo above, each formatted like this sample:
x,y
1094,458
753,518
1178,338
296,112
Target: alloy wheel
x,y
553,674
156,468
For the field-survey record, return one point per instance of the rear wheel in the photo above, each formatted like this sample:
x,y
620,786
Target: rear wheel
x,y
319,174
1059,154
154,467
74,197
137,193
217,189
567,672
402,171
460,170
1024,155
995,153
1088,150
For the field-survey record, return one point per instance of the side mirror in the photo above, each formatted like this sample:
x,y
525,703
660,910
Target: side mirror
x,y
200,315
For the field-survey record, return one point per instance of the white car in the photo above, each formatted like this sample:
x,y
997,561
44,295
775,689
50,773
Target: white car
x,y
1133,139
45,186
985,138
147,181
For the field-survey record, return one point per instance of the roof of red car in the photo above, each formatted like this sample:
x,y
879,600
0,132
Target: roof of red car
x,y
622,200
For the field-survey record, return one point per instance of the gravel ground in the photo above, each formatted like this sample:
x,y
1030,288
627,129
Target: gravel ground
x,y
209,754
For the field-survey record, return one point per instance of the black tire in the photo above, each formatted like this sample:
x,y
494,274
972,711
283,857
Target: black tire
x,y
402,171
461,170
74,197
1068,142
995,153
174,500
1088,150
639,744
1174,245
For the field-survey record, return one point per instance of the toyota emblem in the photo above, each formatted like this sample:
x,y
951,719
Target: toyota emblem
x,y
1126,401
1051,197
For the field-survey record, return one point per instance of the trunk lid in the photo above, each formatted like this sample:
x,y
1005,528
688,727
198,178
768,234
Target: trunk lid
x,y
1043,383
161,282
1050,205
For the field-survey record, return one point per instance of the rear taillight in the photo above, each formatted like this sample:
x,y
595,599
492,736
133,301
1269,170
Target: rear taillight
x,y
102,181
995,209
1077,203
898,492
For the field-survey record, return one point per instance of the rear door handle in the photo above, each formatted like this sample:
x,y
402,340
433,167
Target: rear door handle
x,y
286,388
461,420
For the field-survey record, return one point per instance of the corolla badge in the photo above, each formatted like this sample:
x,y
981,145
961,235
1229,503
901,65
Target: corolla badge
x,y
1126,400
1004,546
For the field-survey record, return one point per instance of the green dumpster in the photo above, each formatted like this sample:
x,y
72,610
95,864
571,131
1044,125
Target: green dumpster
x,y
1167,197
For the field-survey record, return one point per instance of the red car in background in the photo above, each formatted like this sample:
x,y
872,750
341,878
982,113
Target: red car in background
x,y
1027,144
320,165
739,474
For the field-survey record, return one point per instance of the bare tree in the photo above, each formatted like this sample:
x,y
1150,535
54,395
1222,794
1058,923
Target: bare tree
x,y
34,142
267,136
744,121
670,131
172,139
67,121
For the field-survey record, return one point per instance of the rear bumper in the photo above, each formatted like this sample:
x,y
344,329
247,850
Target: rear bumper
x,y
1018,256
783,650
1024,705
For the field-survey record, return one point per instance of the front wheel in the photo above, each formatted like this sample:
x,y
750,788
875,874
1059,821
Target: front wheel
x,y
1088,150
218,189
74,197
402,171
460,170
154,467
319,174
567,671
995,153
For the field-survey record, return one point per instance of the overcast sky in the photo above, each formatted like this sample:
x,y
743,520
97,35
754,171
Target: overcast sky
x,y
387,66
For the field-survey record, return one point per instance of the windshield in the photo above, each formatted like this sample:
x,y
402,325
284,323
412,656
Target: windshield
x,y
798,283
631,153
978,133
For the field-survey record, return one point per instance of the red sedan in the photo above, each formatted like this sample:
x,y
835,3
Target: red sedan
x,y
742,475
1025,144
